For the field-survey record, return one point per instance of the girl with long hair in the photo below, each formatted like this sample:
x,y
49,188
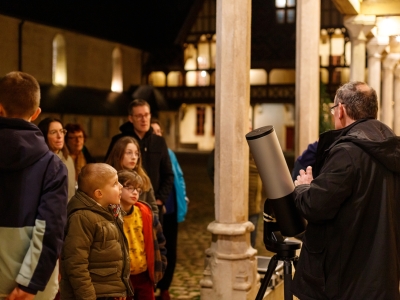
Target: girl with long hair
x,y
125,155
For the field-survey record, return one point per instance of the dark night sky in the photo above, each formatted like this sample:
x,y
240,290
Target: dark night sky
x,y
146,24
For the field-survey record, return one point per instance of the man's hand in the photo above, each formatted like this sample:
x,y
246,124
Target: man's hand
x,y
18,294
305,177
159,202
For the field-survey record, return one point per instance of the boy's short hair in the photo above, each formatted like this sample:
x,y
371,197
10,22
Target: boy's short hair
x,y
130,178
19,94
94,176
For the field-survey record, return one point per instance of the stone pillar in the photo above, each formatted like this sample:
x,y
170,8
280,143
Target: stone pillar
x,y
374,48
307,73
387,88
396,126
358,27
230,265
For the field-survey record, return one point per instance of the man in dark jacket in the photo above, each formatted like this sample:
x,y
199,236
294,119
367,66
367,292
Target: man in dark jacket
x,y
351,247
153,149
33,196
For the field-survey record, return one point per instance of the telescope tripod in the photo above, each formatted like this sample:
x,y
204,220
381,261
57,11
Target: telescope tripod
x,y
286,252
287,277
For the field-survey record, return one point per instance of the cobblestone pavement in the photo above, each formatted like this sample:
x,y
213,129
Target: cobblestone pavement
x,y
193,237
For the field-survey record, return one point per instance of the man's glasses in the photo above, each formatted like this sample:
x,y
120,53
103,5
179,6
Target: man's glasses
x,y
79,137
132,189
61,131
144,116
132,154
333,108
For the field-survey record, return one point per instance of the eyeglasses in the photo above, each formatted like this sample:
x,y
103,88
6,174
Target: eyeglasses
x,y
333,108
132,189
61,131
140,117
132,154
79,137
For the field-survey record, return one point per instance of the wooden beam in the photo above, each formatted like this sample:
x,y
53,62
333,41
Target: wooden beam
x,y
347,7
385,7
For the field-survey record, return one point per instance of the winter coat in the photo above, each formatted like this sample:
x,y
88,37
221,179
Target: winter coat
x,y
154,241
180,188
94,260
155,159
33,208
69,163
351,248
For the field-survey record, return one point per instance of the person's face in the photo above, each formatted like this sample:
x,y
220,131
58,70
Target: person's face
x,y
130,195
110,192
156,129
140,119
75,141
55,137
336,119
130,157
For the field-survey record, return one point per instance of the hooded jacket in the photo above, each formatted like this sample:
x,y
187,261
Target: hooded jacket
x,y
155,159
33,208
94,259
351,248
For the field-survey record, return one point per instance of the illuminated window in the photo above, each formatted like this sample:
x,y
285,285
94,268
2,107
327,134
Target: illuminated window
x,y
157,78
116,81
59,61
197,78
258,77
174,78
285,11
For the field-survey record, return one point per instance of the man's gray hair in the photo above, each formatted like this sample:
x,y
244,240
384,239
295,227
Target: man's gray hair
x,y
359,99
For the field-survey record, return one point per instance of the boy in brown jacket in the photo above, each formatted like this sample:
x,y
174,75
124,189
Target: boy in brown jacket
x,y
94,259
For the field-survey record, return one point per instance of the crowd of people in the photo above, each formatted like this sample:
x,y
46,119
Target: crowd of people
x,y
80,229
88,230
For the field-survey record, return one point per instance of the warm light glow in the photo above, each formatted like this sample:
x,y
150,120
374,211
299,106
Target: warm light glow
x,y
157,78
203,74
59,61
388,26
280,3
116,81
398,38
258,77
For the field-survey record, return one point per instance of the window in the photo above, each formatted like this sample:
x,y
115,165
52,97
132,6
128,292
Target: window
x,y
285,11
200,119
116,81
59,61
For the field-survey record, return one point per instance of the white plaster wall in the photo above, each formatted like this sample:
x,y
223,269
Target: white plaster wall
x,y
278,115
168,121
187,127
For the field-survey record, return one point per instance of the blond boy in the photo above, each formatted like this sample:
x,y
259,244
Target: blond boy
x,y
94,259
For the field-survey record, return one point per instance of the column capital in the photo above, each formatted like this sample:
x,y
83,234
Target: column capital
x,y
397,71
359,26
390,61
376,45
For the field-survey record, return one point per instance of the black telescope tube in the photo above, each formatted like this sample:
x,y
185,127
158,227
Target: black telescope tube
x,y
274,173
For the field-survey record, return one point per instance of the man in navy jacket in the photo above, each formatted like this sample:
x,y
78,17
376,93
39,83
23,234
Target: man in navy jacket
x,y
33,196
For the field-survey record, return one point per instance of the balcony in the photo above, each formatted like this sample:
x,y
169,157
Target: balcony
x,y
277,93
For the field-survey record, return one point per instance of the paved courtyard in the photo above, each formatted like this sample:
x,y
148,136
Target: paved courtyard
x,y
193,237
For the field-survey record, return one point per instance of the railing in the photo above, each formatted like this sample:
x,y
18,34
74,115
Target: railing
x,y
278,93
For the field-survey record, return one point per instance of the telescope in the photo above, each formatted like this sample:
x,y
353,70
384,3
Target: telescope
x,y
281,217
